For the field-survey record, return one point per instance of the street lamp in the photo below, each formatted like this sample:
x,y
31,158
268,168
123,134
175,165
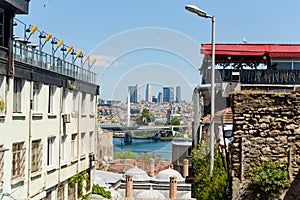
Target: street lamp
x,y
201,13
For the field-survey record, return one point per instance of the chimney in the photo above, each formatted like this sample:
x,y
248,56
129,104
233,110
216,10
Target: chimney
x,y
185,168
128,192
173,187
152,168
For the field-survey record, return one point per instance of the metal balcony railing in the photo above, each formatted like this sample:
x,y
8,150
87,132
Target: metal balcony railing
x,y
30,55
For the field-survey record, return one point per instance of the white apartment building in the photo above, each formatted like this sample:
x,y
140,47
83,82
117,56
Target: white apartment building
x,y
47,118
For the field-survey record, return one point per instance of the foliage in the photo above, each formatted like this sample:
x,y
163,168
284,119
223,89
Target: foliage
x,y
101,191
125,155
2,104
269,179
146,117
158,123
148,158
204,186
175,121
79,179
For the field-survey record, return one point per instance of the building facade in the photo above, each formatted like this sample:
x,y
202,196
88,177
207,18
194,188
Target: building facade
x,y
148,93
47,118
168,94
178,94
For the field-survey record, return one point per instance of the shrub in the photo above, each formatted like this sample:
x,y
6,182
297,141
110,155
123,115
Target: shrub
x,y
204,186
101,191
269,179
125,155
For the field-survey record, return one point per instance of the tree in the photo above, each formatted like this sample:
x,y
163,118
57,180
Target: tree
x,y
175,121
125,155
145,117
204,186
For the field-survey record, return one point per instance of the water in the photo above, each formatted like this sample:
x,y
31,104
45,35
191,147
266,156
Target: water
x,y
144,145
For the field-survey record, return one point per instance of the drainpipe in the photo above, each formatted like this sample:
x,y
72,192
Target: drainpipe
x,y
196,117
29,140
59,134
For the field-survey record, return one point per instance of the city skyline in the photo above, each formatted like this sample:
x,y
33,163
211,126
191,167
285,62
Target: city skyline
x,y
149,95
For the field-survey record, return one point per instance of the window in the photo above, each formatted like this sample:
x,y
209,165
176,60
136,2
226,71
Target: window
x,y
63,150
75,101
91,142
83,104
72,192
82,146
51,151
92,105
48,196
60,193
18,160
74,146
36,101
2,94
51,99
18,85
36,156
64,100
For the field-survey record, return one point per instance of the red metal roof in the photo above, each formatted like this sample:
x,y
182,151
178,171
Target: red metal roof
x,y
272,50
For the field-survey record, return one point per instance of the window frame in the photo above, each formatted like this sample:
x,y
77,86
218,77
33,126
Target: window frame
x,y
51,151
17,95
18,160
36,158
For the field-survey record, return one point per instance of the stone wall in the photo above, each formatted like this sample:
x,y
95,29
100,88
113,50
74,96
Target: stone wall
x,y
266,125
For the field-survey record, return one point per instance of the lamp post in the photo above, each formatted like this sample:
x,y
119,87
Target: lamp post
x,y
196,10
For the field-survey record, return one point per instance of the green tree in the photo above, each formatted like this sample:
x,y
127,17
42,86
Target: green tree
x,y
125,155
175,121
146,117
206,187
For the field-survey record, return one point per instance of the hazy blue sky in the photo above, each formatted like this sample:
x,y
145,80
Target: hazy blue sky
x,y
158,41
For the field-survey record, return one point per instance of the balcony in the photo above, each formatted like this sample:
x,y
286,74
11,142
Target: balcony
x,y
266,76
30,55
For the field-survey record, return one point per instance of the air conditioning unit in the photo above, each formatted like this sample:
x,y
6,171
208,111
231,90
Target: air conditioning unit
x,y
66,118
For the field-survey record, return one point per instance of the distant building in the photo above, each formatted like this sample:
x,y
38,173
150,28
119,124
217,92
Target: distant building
x,y
168,94
148,93
138,93
159,98
132,94
154,99
178,94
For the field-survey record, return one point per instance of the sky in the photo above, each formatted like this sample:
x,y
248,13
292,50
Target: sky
x,y
158,41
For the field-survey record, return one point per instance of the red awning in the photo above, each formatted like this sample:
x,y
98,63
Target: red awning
x,y
272,50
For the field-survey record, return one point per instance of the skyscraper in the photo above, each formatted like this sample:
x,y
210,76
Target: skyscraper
x,y
138,93
178,94
132,94
159,98
168,94
148,93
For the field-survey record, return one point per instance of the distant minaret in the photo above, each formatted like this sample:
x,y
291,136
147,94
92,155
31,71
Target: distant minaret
x,y
148,93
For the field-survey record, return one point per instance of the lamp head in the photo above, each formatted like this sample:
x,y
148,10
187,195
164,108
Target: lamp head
x,y
196,10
